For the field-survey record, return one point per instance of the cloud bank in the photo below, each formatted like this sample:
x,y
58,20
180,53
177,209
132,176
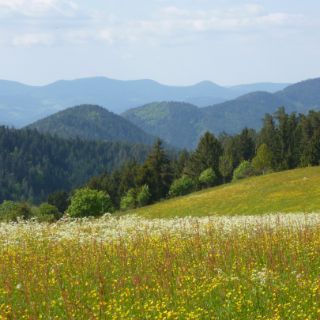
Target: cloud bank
x,y
65,22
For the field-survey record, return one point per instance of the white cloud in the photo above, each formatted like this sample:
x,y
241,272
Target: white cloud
x,y
37,8
31,39
65,22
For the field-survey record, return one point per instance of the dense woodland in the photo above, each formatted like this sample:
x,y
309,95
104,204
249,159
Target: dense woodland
x,y
286,141
34,166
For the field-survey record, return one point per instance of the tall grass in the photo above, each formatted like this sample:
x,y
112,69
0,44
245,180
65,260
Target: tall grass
x,y
131,268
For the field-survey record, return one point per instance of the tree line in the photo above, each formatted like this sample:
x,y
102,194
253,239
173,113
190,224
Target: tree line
x,y
286,141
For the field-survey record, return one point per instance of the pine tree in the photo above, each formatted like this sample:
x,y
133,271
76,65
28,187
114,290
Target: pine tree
x,y
156,172
205,156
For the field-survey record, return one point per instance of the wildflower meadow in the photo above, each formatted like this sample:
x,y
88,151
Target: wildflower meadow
x,y
245,267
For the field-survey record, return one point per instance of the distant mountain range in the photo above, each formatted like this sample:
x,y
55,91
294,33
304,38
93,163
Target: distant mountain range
x,y
181,124
90,122
21,104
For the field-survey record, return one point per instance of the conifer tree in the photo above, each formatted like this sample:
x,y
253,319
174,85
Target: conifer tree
x,y
205,156
156,172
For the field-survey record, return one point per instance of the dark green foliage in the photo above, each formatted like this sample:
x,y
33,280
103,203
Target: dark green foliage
x,y
244,170
34,165
59,199
180,163
157,172
87,202
285,141
91,122
182,186
206,156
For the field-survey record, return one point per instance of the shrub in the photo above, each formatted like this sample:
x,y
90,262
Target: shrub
x,y
244,170
12,211
207,178
181,186
144,196
128,201
48,212
87,202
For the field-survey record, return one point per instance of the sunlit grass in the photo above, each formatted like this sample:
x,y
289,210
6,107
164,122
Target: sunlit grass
x,y
130,268
289,191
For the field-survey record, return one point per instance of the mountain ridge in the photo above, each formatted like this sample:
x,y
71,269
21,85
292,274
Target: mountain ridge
x,y
231,116
22,104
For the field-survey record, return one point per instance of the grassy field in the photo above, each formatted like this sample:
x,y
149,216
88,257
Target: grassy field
x,y
289,191
227,266
133,268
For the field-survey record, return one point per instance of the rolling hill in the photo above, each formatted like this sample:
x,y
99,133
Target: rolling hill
x,y
230,116
175,122
286,192
22,104
91,122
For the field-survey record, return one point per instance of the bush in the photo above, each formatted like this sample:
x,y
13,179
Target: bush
x,y
207,178
244,170
12,211
128,201
181,187
87,202
48,212
144,196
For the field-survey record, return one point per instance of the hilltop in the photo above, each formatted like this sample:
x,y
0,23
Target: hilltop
x,y
91,122
288,191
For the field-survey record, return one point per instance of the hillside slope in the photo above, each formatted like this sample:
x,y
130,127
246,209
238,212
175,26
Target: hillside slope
x,y
91,122
175,122
288,191
231,116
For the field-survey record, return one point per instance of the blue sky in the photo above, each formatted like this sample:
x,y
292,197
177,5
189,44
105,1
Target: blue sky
x,y
174,42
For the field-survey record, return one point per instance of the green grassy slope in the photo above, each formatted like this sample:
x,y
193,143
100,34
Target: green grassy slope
x,y
289,191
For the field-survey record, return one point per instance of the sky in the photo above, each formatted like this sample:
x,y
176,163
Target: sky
x,y
178,42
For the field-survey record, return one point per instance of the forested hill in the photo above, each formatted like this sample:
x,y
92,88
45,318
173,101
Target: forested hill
x,y
164,118
92,122
23,104
33,165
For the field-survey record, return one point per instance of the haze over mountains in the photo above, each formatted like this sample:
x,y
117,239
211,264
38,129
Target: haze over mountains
x,y
22,104
179,123
182,124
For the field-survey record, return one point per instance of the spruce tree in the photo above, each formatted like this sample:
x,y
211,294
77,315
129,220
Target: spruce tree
x,y
206,156
156,172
